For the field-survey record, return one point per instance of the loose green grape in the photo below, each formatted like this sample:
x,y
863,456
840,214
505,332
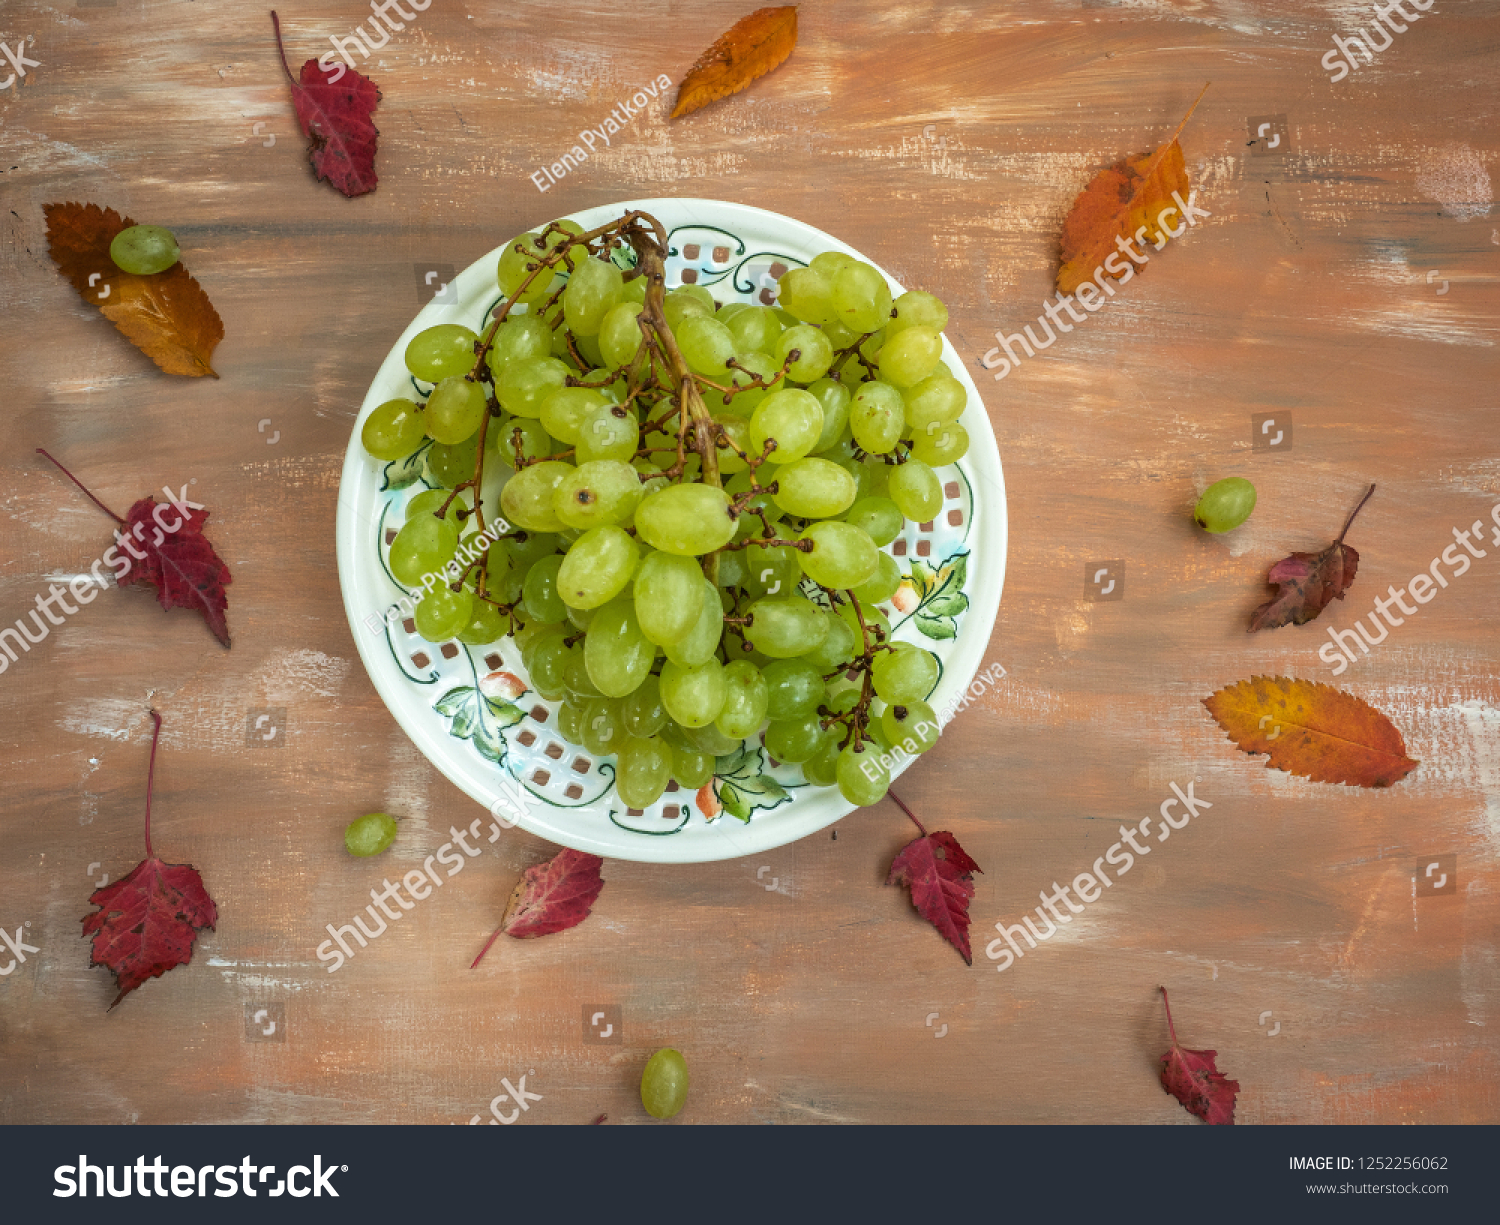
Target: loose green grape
x,y
795,740
527,499
452,465
619,334
521,338
594,287
443,612
642,711
861,299
754,329
1225,504
794,688
599,492
520,257
393,430
881,585
608,431
835,399
144,249
689,520
702,640
815,353
842,555
600,726
936,445
793,418
669,595
938,398
906,673
863,778
910,726
784,627
541,601
880,518
910,356
693,696
642,770
692,769
487,624
745,696
526,385
454,410
423,546
813,489
505,436
617,654
664,1083
916,491
877,417
706,344
370,834
838,648
917,309
807,294
441,352
597,567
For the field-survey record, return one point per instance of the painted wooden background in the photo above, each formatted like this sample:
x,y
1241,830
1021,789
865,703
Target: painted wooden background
x,y
1344,284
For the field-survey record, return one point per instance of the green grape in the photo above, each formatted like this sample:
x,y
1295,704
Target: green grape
x,y
792,417
679,306
526,385
745,696
443,612
527,498
521,338
588,349
144,250
430,501
881,585
917,309
877,417
487,624
525,549
729,310
393,430
542,603
664,1083
692,769
689,520
835,399
815,353
807,295
634,291
423,546
829,262
693,696
734,445
599,492
504,436
794,688
821,770
616,652
529,636
609,383
863,777
570,720
795,740
742,403
732,570
709,739
880,518
564,410
755,329
619,334
597,567
916,491
643,769
669,595
860,298
910,356
905,673
454,411
370,834
576,677
642,711
876,730
877,624
784,627
706,344
608,431
702,640
441,352
452,465
910,726
878,478
1225,504
842,555
561,231
594,287
772,570
838,648
520,256
548,664
813,489
938,398
936,445
601,728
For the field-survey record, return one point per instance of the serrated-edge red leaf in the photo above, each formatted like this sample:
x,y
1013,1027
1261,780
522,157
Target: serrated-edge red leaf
x,y
146,922
941,885
1191,1077
181,564
555,895
333,107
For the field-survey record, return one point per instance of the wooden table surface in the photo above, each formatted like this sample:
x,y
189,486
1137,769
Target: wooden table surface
x,y
1345,283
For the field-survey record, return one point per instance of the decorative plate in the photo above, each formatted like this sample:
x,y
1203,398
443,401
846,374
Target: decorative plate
x,y
465,707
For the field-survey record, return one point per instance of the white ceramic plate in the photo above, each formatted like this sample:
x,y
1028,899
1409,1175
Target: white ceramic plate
x,y
504,750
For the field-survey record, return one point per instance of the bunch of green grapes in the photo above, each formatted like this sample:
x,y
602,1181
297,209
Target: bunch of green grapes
x,y
675,612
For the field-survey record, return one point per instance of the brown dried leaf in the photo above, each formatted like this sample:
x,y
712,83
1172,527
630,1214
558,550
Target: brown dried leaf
x,y
748,49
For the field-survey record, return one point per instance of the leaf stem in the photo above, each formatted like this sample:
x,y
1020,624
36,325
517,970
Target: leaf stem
x,y
276,25
901,804
487,944
1349,522
1171,1031
81,485
150,780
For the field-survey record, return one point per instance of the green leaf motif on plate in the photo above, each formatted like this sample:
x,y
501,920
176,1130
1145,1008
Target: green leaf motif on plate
x,y
742,785
400,473
940,597
479,719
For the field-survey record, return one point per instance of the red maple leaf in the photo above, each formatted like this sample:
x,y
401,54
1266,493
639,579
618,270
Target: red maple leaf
x,y
1309,582
169,551
147,922
939,874
336,120
551,897
1190,1077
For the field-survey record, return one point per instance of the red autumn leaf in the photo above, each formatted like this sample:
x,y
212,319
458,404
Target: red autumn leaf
x,y
551,897
1190,1077
336,120
939,874
1309,582
163,543
147,922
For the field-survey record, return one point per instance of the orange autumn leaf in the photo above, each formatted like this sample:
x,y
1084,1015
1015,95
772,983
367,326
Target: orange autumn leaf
x,y
1312,730
1117,205
167,316
748,49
